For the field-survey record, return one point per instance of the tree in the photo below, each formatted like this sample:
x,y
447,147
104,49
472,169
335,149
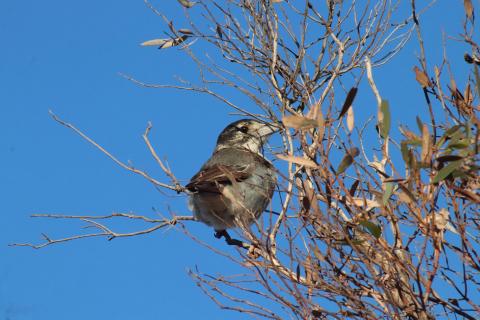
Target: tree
x,y
371,223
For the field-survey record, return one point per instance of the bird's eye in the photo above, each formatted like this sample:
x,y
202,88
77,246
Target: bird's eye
x,y
244,129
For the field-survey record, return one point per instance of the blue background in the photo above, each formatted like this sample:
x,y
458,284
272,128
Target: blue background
x,y
65,56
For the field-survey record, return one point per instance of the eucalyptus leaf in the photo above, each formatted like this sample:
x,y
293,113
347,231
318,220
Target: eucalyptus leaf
x,y
384,119
447,170
388,192
374,229
347,160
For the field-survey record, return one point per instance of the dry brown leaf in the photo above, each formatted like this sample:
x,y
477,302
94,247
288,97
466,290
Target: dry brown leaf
x,y
298,160
426,145
299,122
350,119
370,204
468,95
422,77
467,4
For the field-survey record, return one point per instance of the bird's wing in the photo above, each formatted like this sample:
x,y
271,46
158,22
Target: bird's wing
x,y
213,178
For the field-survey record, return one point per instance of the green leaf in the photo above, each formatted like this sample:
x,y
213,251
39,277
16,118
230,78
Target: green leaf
x,y
374,229
356,242
445,171
449,133
384,119
477,78
388,192
347,160
405,152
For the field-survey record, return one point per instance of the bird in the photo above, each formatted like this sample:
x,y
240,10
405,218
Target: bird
x,y
235,185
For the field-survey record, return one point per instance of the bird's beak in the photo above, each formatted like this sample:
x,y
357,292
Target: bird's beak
x,y
267,129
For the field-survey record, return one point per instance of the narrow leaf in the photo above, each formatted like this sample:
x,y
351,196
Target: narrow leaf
x,y
354,187
186,3
348,101
477,78
426,145
447,170
467,4
299,122
448,158
347,160
388,192
164,43
350,119
384,119
298,160
374,229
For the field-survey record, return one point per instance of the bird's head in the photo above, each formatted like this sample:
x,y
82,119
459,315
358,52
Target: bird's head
x,y
245,134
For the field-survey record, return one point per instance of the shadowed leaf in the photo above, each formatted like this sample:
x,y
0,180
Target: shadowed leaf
x,y
477,78
374,229
348,101
388,192
447,170
347,160
449,158
384,119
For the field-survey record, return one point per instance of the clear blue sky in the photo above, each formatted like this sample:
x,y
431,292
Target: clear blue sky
x,y
65,56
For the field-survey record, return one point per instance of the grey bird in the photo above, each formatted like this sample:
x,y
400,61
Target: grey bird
x,y
234,186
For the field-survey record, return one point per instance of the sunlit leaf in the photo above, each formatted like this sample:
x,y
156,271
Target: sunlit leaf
x,y
164,43
186,3
299,122
374,229
298,160
467,4
350,119
446,171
